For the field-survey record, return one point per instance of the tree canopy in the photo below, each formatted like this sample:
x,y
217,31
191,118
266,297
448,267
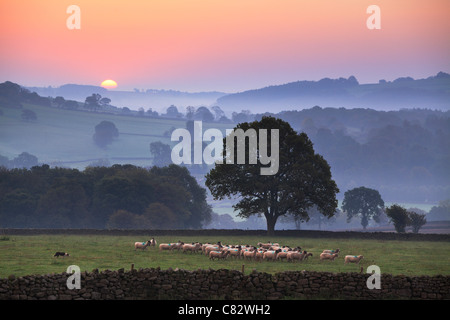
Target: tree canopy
x,y
302,181
104,134
363,202
99,197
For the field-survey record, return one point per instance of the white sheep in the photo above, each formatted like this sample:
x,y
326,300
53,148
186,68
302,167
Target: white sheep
x,y
331,251
271,254
259,254
235,251
170,246
283,254
294,256
328,256
297,255
309,254
250,254
210,248
218,254
267,245
191,247
352,259
141,245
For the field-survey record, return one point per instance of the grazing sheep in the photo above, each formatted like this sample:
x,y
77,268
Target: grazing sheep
x,y
294,256
191,247
267,245
259,254
331,251
250,253
297,255
170,246
352,259
61,254
141,245
309,254
210,248
218,254
271,255
282,254
207,247
328,256
235,252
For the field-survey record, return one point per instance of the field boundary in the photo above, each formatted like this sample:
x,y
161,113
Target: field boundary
x,y
235,232
178,284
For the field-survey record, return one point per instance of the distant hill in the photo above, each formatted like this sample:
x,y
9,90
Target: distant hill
x,y
158,100
432,92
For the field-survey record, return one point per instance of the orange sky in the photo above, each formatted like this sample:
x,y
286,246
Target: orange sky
x,y
232,45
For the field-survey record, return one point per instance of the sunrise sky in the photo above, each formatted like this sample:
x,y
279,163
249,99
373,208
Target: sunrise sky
x,y
222,45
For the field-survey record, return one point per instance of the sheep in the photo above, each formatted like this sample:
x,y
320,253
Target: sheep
x,y
331,251
328,256
250,253
210,248
218,254
235,252
170,246
141,245
352,259
283,248
271,255
309,254
267,245
191,247
295,255
205,245
282,254
259,254
153,242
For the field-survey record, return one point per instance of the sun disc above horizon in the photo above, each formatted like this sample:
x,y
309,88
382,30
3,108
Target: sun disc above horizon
x,y
109,84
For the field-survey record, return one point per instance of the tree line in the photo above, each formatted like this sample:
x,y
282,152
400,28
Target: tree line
x,y
404,154
120,196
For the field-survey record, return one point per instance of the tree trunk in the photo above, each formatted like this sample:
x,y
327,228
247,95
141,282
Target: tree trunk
x,y
270,225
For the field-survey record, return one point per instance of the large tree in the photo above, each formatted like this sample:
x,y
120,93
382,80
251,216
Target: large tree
x,y
364,203
303,178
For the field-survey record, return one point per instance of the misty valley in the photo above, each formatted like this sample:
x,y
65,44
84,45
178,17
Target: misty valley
x,y
403,154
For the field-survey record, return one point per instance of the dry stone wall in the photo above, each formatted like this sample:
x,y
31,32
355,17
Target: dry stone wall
x,y
209,284
237,232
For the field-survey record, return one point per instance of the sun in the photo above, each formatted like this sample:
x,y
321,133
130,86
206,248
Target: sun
x,y
109,84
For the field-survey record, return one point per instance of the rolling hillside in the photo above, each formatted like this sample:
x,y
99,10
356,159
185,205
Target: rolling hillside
x,y
64,137
432,92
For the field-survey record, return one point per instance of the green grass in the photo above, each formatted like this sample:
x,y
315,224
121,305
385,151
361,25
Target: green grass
x,y
25,255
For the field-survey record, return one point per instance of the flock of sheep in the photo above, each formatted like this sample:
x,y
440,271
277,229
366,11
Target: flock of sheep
x,y
264,251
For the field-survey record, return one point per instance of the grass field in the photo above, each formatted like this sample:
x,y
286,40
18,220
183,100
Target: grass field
x,y
25,255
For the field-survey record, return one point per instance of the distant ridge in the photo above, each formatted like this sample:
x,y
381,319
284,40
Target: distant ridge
x,y
406,92
157,99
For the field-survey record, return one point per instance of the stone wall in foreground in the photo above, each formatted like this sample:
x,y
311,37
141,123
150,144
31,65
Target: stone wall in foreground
x,y
221,284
